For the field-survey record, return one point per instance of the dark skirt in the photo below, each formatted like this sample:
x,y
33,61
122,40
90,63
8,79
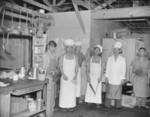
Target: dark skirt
x,y
114,91
141,86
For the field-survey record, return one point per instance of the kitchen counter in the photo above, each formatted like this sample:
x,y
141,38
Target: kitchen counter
x,y
20,84
20,88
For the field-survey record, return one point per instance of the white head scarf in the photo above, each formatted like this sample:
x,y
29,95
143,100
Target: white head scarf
x,y
100,47
69,42
118,45
78,43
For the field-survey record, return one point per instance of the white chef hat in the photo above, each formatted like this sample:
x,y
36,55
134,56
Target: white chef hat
x,y
78,43
100,47
118,45
69,42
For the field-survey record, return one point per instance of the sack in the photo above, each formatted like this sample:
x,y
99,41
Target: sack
x,y
128,101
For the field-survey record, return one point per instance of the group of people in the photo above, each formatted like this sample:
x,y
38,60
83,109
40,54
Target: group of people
x,y
114,71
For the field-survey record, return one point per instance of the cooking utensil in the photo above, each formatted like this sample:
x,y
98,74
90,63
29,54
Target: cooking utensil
x,y
97,88
118,90
12,20
40,28
19,25
26,31
92,88
4,28
34,29
6,54
6,45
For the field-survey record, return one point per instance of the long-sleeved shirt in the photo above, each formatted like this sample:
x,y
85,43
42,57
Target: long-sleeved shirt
x,y
116,69
80,58
49,62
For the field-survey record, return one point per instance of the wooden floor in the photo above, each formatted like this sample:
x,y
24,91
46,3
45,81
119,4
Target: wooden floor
x,y
83,111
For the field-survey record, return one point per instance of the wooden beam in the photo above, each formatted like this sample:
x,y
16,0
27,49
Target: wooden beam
x,y
80,2
105,4
47,3
39,5
121,13
17,8
17,16
61,2
54,2
79,17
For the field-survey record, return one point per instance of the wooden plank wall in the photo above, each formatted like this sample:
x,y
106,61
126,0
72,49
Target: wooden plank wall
x,y
19,49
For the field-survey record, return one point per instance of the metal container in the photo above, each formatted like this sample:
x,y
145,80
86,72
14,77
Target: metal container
x,y
35,73
39,104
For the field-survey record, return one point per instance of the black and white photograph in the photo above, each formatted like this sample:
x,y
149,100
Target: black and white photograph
x,y
74,58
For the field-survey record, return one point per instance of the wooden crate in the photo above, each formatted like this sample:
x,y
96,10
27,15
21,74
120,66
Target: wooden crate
x,y
19,104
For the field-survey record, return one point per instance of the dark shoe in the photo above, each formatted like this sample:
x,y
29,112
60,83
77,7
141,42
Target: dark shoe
x,y
144,108
107,108
56,109
64,110
98,106
118,108
137,107
70,109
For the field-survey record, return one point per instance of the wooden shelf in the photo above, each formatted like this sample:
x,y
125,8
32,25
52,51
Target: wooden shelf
x,y
26,113
17,36
38,45
37,54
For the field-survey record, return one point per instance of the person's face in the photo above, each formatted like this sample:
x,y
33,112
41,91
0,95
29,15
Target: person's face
x,y
97,51
69,49
116,51
78,48
52,48
142,52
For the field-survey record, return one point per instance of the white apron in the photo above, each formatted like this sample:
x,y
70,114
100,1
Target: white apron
x,y
95,72
78,86
67,97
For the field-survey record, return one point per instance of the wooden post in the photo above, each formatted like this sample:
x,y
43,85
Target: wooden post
x,y
50,98
5,105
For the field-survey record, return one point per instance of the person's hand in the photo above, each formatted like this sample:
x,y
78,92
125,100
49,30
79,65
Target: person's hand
x,y
106,80
65,77
75,77
74,81
123,81
99,80
47,76
88,79
52,73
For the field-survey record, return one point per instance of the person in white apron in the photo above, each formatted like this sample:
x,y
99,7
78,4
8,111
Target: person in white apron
x,y
115,77
94,77
80,56
69,69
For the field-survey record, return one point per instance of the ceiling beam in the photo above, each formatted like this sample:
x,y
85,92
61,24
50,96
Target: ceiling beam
x,y
17,9
33,2
118,13
82,3
17,15
105,4
47,3
61,2
54,2
79,17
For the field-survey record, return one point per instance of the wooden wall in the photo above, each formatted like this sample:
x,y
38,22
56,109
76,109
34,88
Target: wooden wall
x,y
19,48
66,26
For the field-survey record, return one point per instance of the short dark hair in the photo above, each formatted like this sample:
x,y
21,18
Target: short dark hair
x,y
100,54
142,48
51,43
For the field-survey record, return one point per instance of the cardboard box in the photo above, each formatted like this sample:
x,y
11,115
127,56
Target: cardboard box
x,y
128,101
